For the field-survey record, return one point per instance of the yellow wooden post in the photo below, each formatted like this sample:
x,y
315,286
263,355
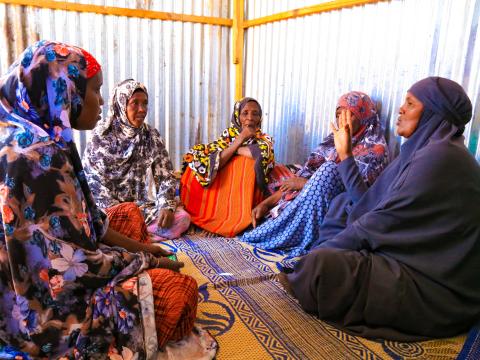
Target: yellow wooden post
x,y
238,34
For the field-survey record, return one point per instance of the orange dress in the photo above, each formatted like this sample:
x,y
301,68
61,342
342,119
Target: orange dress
x,y
225,206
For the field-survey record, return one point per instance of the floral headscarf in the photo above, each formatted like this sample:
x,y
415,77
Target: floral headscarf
x,y
122,163
117,109
204,159
56,75
369,145
43,92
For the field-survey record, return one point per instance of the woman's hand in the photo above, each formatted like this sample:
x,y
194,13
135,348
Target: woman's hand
x,y
247,133
259,212
157,250
293,184
343,135
264,207
165,218
162,261
166,263
114,238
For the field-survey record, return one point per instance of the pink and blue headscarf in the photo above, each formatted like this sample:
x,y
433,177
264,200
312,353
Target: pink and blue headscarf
x,y
369,145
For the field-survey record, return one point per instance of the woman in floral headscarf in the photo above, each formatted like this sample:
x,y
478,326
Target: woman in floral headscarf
x,y
126,161
64,292
225,179
304,199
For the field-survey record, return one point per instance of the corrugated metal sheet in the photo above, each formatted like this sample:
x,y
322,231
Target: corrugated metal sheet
x,y
298,68
186,67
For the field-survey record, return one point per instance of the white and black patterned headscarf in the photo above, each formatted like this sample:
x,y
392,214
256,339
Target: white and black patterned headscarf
x,y
117,110
123,162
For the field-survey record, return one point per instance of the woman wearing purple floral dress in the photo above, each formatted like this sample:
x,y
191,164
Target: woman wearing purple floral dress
x,y
70,286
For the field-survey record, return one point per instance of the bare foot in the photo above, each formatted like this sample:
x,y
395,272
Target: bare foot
x,y
283,279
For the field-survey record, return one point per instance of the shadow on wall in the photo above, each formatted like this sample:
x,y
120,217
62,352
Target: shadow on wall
x,y
292,138
388,121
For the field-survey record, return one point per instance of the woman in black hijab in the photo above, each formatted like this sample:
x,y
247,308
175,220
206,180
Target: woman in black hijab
x,y
402,263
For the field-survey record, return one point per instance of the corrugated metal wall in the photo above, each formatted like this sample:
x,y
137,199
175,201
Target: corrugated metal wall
x,y
298,68
186,67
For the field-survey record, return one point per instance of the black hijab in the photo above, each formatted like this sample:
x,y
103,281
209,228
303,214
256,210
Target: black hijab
x,y
424,209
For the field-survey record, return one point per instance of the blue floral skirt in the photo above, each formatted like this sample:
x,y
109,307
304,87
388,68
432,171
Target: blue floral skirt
x,y
296,228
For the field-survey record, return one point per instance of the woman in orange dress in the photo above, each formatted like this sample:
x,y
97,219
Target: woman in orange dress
x,y
224,180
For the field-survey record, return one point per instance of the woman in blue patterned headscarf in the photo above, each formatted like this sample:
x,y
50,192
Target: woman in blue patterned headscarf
x,y
63,292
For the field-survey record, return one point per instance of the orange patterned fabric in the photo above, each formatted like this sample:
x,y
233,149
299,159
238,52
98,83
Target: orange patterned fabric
x,y
127,219
225,206
175,298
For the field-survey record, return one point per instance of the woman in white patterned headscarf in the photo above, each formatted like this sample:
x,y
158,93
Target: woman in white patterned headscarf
x,y
126,161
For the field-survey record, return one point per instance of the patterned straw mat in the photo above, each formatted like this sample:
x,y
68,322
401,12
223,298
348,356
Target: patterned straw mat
x,y
245,308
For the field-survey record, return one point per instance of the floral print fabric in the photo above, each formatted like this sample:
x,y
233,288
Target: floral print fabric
x,y
204,159
295,230
62,292
128,164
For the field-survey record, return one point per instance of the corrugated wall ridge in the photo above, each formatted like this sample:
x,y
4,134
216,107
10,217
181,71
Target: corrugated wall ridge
x,y
298,68
185,66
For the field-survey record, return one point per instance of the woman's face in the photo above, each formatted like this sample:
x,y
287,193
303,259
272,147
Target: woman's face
x,y
250,115
137,109
92,104
409,116
355,121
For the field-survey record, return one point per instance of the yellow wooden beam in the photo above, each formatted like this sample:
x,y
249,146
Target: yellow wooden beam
x,y
238,48
309,10
118,11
